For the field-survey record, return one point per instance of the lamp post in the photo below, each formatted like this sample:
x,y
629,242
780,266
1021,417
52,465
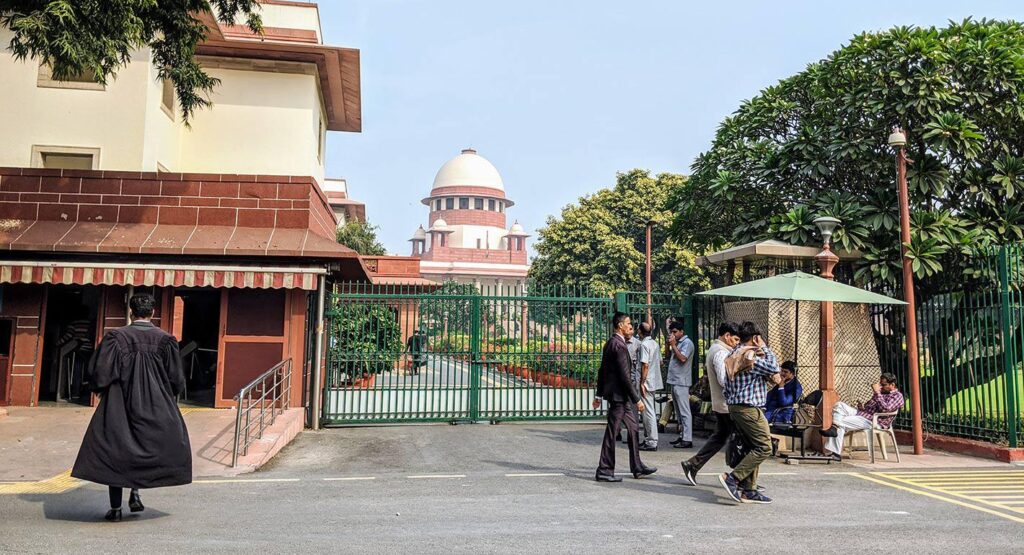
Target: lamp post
x,y
827,261
647,254
898,140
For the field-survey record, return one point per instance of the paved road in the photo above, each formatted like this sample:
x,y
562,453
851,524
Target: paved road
x,y
505,489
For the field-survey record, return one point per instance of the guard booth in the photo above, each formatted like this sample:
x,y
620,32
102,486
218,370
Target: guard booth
x,y
238,291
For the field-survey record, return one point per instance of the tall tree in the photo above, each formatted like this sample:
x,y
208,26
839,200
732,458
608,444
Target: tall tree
x,y
600,241
815,144
97,37
361,237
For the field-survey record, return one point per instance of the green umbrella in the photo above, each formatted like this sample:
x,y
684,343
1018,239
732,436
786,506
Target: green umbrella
x,y
799,286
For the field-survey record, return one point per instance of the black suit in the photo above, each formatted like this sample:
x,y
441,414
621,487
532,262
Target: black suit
x,y
615,387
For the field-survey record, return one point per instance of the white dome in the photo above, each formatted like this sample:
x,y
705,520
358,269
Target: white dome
x,y
516,229
419,234
468,169
440,225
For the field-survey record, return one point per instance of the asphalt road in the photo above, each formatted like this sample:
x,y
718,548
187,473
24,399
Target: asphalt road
x,y
499,489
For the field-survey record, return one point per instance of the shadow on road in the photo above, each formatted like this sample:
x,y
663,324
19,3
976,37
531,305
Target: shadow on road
x,y
85,505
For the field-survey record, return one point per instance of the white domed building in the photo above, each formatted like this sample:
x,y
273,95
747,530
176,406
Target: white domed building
x,y
468,239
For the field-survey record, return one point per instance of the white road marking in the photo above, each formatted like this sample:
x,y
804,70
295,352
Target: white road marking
x,y
427,476
246,480
350,479
536,475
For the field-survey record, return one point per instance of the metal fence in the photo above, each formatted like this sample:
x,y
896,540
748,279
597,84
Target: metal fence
x,y
970,349
457,352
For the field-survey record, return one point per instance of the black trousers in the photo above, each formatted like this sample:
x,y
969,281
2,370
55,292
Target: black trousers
x,y
117,496
618,414
715,443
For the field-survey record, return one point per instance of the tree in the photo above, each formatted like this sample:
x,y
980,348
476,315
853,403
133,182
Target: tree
x,y
600,241
815,144
361,237
97,37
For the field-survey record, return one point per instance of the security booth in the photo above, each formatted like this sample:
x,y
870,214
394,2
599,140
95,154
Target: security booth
x,y
235,267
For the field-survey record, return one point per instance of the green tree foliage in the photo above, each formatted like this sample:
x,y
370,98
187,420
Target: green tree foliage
x,y
361,237
600,242
815,145
364,339
97,37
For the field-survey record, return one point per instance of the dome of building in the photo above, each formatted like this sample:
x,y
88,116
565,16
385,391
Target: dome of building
x,y
440,225
468,169
419,235
516,229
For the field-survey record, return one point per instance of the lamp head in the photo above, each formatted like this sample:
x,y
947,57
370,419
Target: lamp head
x,y
897,138
826,225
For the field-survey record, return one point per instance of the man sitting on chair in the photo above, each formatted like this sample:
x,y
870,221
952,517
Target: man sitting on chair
x,y
885,398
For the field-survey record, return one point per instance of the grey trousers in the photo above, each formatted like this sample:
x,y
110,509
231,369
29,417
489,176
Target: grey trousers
x,y
681,402
650,420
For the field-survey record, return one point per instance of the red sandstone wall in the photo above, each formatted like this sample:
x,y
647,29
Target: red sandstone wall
x,y
457,254
262,201
470,217
25,304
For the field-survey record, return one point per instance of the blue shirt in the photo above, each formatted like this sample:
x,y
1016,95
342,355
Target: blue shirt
x,y
779,407
749,388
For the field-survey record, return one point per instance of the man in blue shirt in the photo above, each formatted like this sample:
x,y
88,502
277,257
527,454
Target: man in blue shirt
x,y
779,407
750,366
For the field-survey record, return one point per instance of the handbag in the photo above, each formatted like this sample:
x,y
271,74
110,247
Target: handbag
x,y
736,448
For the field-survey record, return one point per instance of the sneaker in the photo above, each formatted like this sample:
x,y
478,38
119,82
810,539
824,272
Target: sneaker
x,y
731,485
755,497
689,473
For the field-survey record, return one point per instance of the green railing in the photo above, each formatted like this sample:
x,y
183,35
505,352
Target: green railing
x,y
458,352
970,346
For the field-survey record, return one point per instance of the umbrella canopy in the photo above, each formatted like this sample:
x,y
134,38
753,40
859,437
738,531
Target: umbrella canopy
x,y
799,286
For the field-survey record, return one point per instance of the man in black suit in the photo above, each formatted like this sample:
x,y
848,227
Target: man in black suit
x,y
615,387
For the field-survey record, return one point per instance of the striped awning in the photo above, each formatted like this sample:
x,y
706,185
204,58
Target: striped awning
x,y
160,275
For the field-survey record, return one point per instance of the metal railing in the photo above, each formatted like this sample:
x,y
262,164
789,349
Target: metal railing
x,y
268,395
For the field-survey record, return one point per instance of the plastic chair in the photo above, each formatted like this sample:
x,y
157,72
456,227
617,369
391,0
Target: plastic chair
x,y
878,432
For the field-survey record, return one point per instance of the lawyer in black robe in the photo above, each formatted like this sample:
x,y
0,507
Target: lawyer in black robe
x,y
137,437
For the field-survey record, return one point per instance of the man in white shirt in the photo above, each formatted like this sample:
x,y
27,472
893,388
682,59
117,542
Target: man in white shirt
x,y
649,381
714,369
680,377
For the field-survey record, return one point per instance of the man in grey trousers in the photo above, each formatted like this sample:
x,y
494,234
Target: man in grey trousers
x,y
648,381
680,377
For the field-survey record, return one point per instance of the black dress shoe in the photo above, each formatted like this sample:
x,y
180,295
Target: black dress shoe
x,y
683,445
646,447
113,515
645,471
676,441
135,503
606,478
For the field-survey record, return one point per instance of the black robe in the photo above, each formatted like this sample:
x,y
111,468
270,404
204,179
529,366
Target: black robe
x,y
137,437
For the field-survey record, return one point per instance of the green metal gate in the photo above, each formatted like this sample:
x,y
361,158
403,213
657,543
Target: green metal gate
x,y
457,353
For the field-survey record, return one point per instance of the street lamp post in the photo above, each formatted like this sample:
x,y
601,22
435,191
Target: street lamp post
x,y
827,261
898,140
647,253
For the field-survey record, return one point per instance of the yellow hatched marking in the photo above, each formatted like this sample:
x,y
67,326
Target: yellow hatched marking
x,y
58,484
939,497
977,487
187,410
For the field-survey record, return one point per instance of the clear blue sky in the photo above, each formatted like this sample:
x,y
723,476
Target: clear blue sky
x,y
560,95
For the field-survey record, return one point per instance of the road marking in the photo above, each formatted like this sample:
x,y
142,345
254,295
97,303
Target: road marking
x,y
939,497
350,479
535,475
776,473
246,480
986,490
58,484
428,476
